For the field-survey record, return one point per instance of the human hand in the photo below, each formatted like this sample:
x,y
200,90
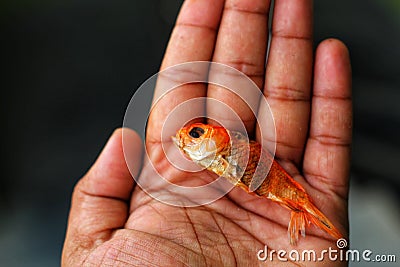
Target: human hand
x,y
113,222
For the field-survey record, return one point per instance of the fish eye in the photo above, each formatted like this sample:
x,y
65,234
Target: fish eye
x,y
196,132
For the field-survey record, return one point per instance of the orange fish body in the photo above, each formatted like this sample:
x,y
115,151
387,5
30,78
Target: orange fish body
x,y
231,155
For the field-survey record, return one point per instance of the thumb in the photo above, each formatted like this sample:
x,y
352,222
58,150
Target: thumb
x,y
100,199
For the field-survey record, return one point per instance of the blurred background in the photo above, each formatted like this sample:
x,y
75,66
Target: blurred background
x,y
71,67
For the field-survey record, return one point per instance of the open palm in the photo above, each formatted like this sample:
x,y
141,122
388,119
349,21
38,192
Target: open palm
x,y
112,221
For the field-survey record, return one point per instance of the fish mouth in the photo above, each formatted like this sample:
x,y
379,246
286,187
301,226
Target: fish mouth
x,y
175,140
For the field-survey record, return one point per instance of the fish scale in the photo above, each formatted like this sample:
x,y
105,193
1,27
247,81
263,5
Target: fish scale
x,y
243,163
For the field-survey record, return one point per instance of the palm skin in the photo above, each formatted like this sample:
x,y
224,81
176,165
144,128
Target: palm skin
x,y
114,222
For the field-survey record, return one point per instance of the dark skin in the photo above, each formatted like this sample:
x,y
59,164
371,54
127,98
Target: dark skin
x,y
112,221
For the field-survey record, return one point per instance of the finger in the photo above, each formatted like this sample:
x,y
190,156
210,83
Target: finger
x,y
241,44
192,39
99,202
327,155
288,77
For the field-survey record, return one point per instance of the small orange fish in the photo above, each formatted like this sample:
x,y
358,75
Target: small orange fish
x,y
231,155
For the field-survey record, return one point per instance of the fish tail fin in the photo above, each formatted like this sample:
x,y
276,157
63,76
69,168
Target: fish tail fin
x,y
307,214
297,224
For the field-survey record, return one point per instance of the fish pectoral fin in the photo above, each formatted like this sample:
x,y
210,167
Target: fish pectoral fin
x,y
219,166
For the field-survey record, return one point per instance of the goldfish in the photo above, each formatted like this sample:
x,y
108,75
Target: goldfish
x,y
241,161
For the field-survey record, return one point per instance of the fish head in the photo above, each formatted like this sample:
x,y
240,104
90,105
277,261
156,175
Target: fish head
x,y
202,141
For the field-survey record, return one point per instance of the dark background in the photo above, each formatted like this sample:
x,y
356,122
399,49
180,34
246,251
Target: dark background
x,y
71,67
